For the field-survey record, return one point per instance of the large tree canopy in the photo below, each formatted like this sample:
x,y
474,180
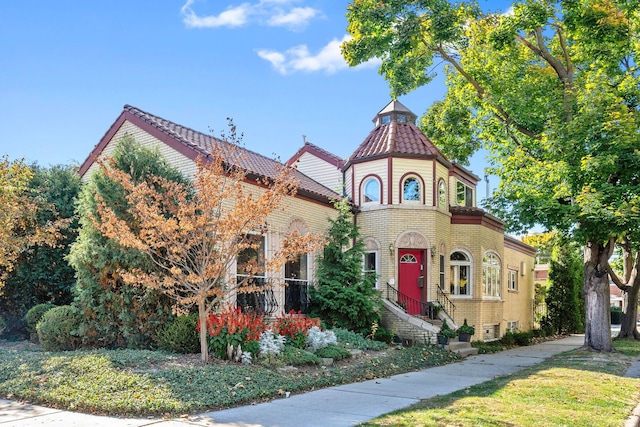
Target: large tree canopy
x,y
550,88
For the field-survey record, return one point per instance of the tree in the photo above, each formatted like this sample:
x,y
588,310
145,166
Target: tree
x,y
564,308
115,313
344,297
19,209
40,273
550,89
193,234
629,283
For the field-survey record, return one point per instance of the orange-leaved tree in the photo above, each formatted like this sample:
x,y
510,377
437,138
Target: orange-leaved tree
x,y
20,227
193,234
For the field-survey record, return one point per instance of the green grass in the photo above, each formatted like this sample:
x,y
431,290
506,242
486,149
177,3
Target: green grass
x,y
141,383
577,388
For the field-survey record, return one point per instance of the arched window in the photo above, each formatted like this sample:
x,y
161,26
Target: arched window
x,y
371,191
491,274
411,189
442,193
460,274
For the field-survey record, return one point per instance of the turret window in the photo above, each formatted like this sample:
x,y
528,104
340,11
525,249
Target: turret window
x,y
371,191
411,189
442,193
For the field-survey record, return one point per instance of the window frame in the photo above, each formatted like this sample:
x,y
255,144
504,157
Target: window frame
x,y
368,180
464,194
376,266
455,268
442,193
419,191
491,275
512,280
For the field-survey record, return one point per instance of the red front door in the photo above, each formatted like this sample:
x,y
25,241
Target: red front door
x,y
410,279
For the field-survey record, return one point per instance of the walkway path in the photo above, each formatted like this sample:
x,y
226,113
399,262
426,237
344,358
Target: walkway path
x,y
339,406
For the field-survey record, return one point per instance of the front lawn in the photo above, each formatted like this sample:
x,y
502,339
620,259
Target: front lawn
x,y
577,388
153,383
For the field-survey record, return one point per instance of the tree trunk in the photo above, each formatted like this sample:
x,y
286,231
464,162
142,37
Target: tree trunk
x,y
628,326
597,335
202,316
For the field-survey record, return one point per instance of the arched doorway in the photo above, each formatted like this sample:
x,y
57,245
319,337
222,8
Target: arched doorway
x,y
412,272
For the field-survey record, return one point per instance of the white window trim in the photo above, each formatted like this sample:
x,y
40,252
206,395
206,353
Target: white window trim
x,y
420,189
364,193
468,263
485,294
377,266
510,273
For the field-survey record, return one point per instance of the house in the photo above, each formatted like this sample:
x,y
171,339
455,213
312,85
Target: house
x,y
436,255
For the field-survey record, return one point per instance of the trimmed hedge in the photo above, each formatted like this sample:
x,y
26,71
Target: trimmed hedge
x,y
34,315
58,328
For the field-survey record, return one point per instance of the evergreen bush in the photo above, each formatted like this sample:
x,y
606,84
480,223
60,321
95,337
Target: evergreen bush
x,y
298,357
345,297
180,335
34,314
333,351
58,329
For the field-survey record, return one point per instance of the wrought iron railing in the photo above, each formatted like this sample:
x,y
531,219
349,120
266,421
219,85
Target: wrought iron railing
x,y
296,296
446,304
412,305
263,302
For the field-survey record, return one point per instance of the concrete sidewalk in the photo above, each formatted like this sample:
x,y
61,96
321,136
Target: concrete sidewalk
x,y
344,405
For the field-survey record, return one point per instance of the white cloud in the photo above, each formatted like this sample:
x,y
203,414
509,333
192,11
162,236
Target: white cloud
x,y
298,58
297,17
275,13
232,17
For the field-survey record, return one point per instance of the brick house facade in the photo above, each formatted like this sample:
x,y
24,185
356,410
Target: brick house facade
x,y
428,243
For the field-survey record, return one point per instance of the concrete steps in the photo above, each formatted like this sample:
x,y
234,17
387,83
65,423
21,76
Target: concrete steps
x,y
463,348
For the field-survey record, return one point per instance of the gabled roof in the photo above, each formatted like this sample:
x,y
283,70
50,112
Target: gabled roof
x,y
194,144
313,149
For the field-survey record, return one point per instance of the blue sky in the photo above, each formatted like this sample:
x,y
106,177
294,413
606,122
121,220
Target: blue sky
x,y
274,66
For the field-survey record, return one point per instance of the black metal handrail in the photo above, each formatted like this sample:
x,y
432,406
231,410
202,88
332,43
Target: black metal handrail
x,y
412,305
447,305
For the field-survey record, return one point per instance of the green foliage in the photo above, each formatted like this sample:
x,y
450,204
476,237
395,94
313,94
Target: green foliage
x,y
3,325
523,338
383,335
333,351
58,328
232,327
565,307
466,329
298,357
350,339
343,296
34,315
41,273
616,315
446,330
116,314
180,335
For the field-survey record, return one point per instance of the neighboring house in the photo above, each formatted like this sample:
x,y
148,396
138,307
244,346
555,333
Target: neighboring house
x,y
436,254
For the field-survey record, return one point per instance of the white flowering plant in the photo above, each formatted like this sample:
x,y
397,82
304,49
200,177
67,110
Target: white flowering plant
x,y
317,338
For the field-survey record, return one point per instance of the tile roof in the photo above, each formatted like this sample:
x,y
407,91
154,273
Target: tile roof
x,y
201,144
398,139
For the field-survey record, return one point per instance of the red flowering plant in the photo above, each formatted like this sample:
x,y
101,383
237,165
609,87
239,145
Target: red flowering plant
x,y
294,326
233,327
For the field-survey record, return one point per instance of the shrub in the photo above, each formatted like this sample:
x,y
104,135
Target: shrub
x,y
34,314
350,339
523,338
317,339
180,335
58,328
298,357
616,315
270,344
333,351
383,335
232,327
294,326
508,339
